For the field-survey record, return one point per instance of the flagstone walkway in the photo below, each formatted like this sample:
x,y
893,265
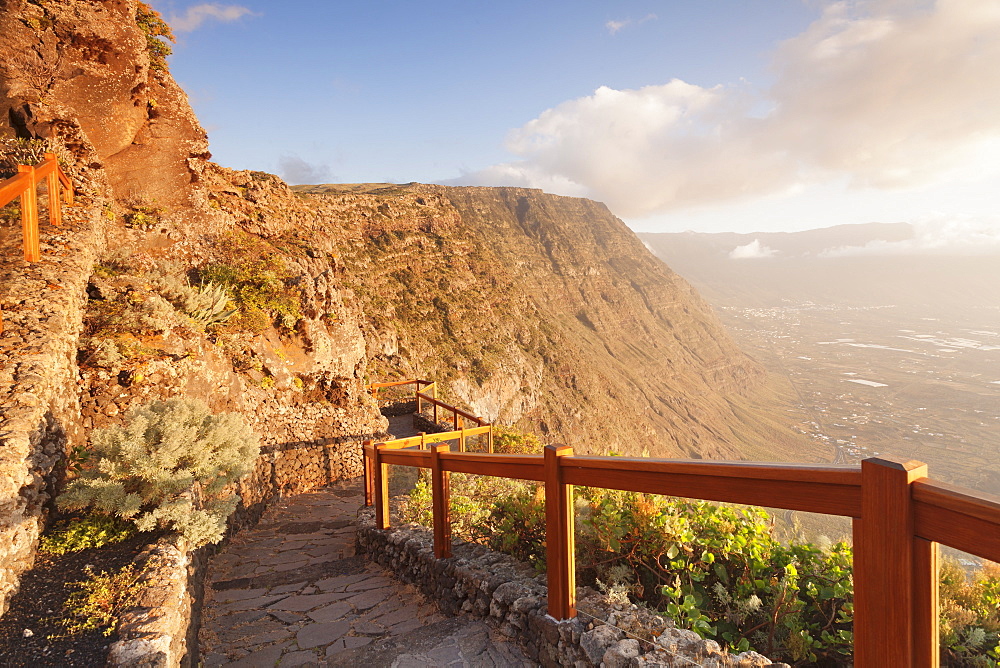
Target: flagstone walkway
x,y
292,592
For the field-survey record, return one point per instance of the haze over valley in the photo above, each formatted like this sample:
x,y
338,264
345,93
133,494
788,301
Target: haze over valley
x,y
890,353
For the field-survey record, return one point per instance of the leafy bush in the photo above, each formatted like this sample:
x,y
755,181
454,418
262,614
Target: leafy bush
x,y
511,441
167,467
259,283
82,533
970,614
155,28
515,524
101,598
718,570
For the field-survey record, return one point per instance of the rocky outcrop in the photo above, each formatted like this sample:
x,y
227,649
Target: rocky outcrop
x,y
81,72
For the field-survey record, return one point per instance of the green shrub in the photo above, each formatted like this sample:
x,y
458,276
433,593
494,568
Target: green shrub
x,y
155,28
515,524
970,614
82,533
718,570
101,598
511,441
167,467
259,285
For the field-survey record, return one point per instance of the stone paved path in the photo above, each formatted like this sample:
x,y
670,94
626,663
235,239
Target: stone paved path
x,y
291,592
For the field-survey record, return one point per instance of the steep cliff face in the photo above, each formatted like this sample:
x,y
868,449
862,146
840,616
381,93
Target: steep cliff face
x,y
82,73
544,311
88,334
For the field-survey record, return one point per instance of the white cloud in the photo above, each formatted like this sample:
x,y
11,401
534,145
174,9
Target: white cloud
x,y
753,250
297,171
614,26
887,94
195,16
949,236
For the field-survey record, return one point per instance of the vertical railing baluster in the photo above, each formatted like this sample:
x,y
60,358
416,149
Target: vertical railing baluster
x,y
381,472
29,217
560,552
366,455
55,205
926,650
441,503
884,563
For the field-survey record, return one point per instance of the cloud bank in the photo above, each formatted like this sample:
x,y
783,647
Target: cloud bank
x,y
933,237
197,15
889,94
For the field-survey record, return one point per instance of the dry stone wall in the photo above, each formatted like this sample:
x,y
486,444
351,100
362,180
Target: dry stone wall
x,y
42,307
509,594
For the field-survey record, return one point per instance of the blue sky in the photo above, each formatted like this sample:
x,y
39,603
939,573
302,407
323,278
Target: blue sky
x,y
714,115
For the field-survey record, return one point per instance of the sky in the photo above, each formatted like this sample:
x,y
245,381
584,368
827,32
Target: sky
x,y
715,115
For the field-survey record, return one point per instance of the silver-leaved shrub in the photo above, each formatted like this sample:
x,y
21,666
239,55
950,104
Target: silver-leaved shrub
x,y
168,467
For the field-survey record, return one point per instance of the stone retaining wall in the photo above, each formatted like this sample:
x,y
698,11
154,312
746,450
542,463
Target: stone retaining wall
x,y
42,306
508,593
155,631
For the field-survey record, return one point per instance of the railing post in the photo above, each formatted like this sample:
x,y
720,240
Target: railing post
x,y
55,204
381,476
419,406
884,565
434,409
441,503
489,440
560,551
369,475
454,420
423,440
926,650
461,438
29,217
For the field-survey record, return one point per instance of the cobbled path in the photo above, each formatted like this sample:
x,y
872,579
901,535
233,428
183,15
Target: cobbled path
x,y
291,592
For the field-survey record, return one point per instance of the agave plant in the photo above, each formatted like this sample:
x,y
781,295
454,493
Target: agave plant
x,y
208,305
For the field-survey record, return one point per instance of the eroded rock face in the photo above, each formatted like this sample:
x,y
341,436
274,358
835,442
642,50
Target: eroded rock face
x,y
81,71
539,310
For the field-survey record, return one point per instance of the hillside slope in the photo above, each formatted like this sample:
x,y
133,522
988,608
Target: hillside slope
x,y
548,312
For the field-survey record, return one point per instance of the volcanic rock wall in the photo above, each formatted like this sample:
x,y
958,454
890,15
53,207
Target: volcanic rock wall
x,y
42,310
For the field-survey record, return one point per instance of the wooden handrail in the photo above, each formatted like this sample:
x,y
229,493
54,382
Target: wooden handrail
x,y
957,517
899,514
24,185
457,414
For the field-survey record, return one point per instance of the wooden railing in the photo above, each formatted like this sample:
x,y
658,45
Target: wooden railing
x,y
899,518
426,392
25,185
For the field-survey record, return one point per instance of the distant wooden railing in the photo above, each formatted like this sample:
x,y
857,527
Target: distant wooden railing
x,y
899,518
25,185
426,392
